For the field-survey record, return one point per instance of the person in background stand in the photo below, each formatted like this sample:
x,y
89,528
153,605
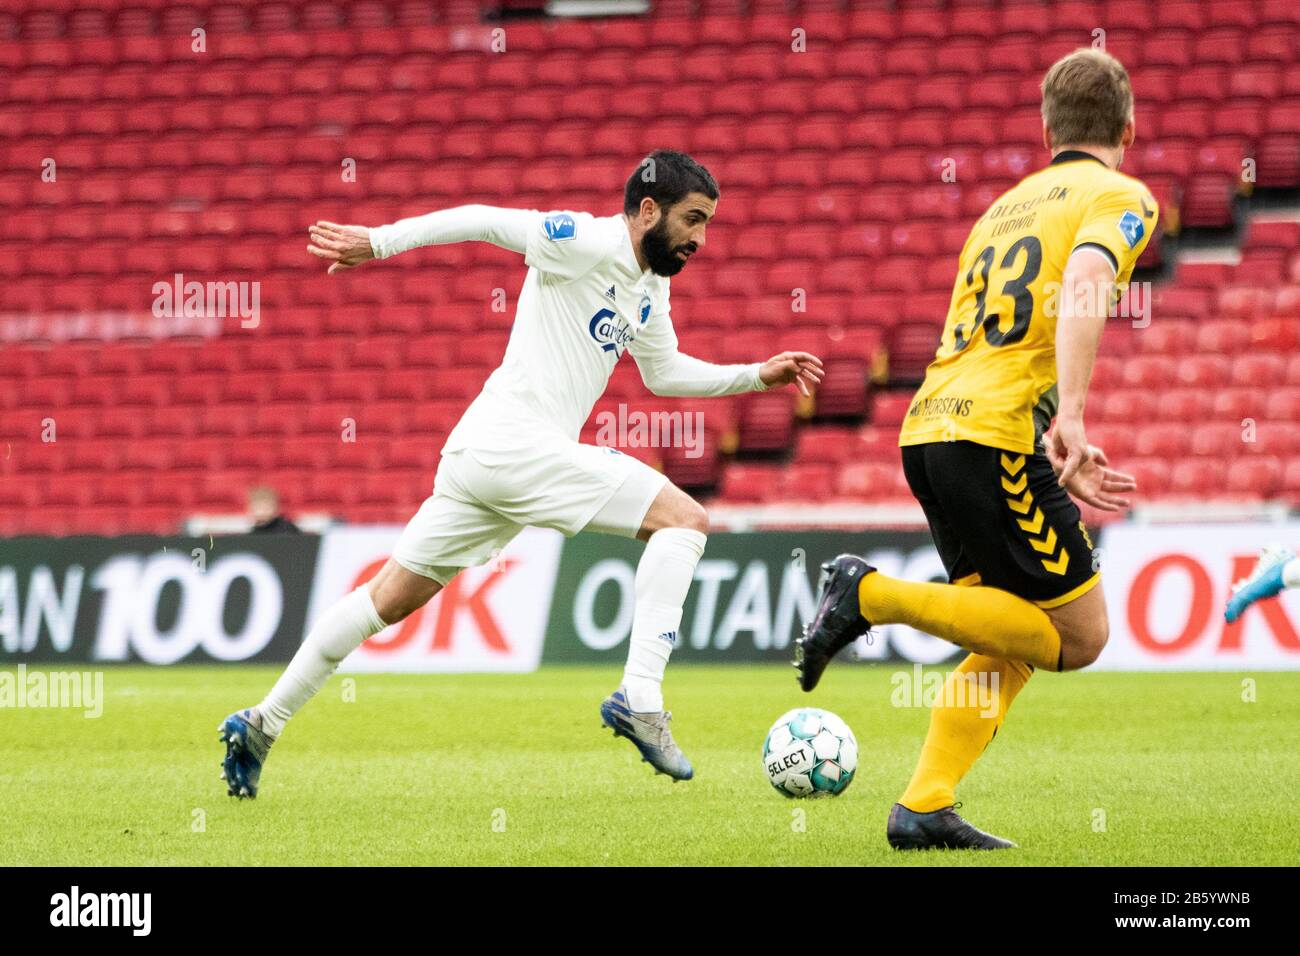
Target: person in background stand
x,y
264,509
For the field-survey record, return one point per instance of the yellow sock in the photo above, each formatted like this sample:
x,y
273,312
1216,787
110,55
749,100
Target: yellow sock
x,y
961,727
982,620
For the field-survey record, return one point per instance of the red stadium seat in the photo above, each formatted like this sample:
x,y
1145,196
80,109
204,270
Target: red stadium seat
x,y
870,481
1278,160
1259,371
836,189
844,389
1287,302
1208,202
1126,406
1116,440
1223,336
1153,371
1247,302
807,481
750,482
1274,436
1286,402
767,422
687,469
1276,335
911,349
1236,404
1197,477
1216,440
1107,372
1254,477
889,408
1290,485
1273,234
1179,301
1211,371
1161,441
1169,337
1187,404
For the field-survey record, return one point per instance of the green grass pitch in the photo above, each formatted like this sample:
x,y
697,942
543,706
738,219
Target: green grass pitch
x,y
1090,769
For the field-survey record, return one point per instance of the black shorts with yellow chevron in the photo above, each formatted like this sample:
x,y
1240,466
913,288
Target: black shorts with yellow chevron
x,y
1000,519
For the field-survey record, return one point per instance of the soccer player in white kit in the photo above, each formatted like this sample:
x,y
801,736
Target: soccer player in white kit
x,y
596,287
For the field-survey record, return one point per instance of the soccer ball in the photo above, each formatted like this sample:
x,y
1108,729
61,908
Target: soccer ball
x,y
810,753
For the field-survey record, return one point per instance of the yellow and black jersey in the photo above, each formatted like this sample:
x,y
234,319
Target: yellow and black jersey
x,y
993,379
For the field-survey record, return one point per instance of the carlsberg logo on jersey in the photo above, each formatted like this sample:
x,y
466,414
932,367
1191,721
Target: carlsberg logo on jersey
x,y
610,331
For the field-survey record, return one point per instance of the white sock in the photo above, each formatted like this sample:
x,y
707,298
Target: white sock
x,y
663,577
1291,573
337,633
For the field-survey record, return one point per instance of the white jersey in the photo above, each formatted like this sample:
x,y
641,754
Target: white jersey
x,y
584,303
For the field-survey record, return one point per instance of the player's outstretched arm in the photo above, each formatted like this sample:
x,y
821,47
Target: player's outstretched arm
x,y
1083,303
684,375
668,372
347,246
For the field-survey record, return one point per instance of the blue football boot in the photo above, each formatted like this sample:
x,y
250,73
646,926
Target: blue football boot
x,y
246,750
1264,582
649,733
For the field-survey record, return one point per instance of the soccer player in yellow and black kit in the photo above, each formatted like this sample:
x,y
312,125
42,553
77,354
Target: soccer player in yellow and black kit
x,y
1039,273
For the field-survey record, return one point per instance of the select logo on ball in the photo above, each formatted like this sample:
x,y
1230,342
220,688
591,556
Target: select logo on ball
x,y
785,763
810,752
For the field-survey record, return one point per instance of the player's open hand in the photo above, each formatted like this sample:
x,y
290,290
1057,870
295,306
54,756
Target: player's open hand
x,y
801,368
1094,482
343,246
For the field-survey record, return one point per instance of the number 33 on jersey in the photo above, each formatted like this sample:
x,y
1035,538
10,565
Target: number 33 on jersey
x,y
993,379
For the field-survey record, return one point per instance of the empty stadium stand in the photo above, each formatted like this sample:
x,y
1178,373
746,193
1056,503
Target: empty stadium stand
x,y
126,157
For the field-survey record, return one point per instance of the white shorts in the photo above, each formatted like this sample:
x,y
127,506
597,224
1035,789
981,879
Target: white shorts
x,y
480,501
